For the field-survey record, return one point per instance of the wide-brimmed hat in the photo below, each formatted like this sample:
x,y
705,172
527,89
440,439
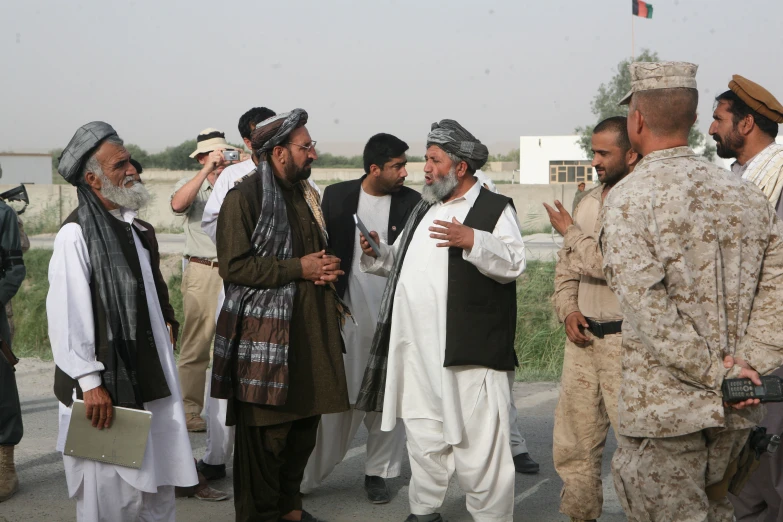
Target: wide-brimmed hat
x,y
209,140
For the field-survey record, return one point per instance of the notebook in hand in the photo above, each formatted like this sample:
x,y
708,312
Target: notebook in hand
x,y
123,444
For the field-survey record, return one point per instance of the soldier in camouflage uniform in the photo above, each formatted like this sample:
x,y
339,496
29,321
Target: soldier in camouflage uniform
x,y
592,371
695,258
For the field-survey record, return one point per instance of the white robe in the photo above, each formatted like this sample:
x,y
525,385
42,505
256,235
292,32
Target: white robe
x,y
168,460
417,384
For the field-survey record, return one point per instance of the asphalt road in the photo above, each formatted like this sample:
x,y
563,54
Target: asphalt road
x,y
43,495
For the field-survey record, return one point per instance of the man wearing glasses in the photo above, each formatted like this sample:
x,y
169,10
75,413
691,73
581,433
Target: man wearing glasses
x,y
278,351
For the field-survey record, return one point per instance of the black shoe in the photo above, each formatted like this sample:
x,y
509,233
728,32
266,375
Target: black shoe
x,y
306,517
524,464
377,492
211,471
435,517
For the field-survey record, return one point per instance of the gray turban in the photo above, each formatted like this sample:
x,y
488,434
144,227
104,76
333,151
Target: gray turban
x,y
275,130
83,143
455,139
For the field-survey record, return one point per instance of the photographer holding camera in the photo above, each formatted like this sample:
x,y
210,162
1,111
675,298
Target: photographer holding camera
x,y
201,282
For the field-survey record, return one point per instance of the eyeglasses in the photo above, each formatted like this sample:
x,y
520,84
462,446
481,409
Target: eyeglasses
x,y
308,148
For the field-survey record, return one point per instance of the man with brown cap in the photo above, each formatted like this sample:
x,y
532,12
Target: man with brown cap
x,y
745,126
109,322
201,283
694,256
278,349
444,343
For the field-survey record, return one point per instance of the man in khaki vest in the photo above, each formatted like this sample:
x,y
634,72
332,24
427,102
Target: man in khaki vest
x,y
592,367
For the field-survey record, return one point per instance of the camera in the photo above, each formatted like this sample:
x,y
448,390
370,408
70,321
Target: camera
x,y
231,155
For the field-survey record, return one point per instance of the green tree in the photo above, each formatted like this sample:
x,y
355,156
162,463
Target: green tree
x,y
175,158
138,154
605,105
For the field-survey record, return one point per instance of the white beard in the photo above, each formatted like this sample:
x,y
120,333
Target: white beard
x,y
134,197
441,188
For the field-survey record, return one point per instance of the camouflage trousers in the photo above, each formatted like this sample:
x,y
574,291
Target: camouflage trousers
x,y
664,479
589,391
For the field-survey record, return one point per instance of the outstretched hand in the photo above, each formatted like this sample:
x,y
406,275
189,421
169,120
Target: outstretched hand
x,y
559,218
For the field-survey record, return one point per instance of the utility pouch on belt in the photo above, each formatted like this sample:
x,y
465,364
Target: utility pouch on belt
x,y
740,469
6,352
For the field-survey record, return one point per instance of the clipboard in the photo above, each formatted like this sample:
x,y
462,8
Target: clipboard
x,y
123,444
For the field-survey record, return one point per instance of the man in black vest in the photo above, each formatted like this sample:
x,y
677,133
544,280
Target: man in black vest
x,y
445,336
383,203
108,310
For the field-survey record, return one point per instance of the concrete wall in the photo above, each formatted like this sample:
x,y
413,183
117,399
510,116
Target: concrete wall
x,y
51,204
535,153
26,168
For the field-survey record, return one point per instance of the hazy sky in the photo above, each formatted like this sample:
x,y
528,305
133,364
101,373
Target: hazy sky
x,y
160,71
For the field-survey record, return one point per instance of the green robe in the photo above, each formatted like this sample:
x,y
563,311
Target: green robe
x,y
315,358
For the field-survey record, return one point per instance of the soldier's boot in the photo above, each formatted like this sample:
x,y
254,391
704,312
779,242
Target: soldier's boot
x,y
9,482
572,519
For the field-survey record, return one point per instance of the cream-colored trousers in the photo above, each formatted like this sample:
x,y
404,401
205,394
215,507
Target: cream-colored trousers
x,y
201,286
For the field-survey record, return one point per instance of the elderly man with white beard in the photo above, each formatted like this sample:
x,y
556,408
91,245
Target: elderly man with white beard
x,y
108,310
445,336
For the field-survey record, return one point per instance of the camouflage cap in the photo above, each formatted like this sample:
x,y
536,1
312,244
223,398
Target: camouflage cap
x,y
649,76
757,97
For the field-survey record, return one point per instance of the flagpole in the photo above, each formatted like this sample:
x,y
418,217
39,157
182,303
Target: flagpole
x,y
633,41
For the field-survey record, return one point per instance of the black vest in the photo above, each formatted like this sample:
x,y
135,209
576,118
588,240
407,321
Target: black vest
x,y
481,314
150,375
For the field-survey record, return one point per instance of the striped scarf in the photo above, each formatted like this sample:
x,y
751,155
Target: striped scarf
x,y
374,381
253,328
765,172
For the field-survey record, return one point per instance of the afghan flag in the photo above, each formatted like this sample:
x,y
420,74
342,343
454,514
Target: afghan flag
x,y
642,9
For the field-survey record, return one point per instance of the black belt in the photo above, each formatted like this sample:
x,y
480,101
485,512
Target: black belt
x,y
601,330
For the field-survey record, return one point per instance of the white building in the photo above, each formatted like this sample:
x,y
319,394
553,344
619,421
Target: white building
x,y
547,160
28,168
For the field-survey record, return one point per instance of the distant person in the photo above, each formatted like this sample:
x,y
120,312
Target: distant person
x,y
278,350
580,193
109,325
592,364
383,203
201,282
12,275
748,134
452,288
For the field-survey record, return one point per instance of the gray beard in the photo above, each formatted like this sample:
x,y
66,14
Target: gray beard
x,y
441,188
134,197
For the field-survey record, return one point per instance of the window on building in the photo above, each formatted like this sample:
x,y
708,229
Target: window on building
x,y
570,172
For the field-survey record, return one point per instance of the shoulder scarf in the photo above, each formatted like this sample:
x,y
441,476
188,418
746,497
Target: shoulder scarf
x,y
253,330
765,172
374,381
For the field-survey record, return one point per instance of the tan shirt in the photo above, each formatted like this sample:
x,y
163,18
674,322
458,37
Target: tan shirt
x,y
197,243
579,278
